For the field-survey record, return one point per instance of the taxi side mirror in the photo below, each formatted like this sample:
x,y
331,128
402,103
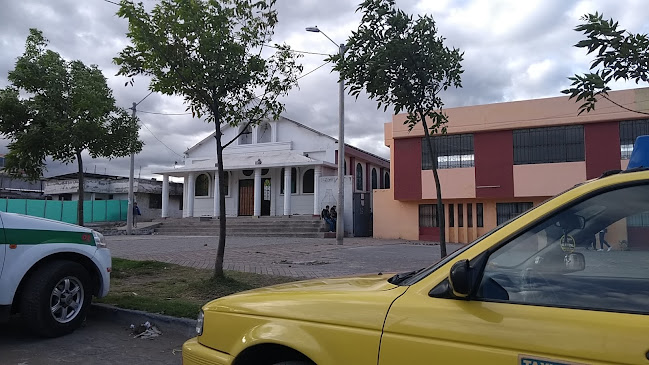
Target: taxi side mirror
x,y
461,279
575,262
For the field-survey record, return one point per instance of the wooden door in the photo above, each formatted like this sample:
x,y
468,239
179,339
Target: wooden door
x,y
246,197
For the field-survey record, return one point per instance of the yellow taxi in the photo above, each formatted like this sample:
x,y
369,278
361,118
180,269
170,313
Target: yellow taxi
x,y
542,289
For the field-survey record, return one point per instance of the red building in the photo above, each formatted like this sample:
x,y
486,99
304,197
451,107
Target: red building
x,y
499,160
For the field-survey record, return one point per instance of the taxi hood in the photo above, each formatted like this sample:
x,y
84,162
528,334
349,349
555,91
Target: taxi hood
x,y
363,299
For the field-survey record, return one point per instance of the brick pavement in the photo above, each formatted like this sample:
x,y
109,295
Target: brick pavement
x,y
295,257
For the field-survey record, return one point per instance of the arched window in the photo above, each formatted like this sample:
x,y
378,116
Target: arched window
x,y
202,186
386,180
359,177
375,179
264,133
246,136
293,181
308,182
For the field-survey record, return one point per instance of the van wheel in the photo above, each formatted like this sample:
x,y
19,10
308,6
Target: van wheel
x,y
56,298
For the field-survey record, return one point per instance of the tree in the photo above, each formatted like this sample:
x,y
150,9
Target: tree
x,y
209,52
621,55
60,109
402,62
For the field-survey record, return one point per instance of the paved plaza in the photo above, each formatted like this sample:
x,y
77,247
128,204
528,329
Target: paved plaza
x,y
295,257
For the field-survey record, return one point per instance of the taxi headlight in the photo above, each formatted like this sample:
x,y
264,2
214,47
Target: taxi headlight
x,y
199,323
100,241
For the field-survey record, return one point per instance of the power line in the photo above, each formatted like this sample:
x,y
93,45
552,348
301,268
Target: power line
x,y
296,51
144,98
159,113
112,2
312,71
154,136
189,113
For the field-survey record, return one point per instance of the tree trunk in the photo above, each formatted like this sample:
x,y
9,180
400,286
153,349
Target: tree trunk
x,y
438,187
220,252
81,190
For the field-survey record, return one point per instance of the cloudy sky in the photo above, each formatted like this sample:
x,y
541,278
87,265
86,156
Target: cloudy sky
x,y
513,50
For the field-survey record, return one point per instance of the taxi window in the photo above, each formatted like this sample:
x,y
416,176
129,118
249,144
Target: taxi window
x,y
594,255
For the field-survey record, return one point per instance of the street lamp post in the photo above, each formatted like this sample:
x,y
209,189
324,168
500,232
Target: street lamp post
x,y
340,222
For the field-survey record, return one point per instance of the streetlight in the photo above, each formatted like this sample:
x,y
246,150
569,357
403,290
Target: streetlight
x,y
340,222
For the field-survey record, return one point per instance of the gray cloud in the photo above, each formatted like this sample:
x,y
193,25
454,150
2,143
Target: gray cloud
x,y
513,50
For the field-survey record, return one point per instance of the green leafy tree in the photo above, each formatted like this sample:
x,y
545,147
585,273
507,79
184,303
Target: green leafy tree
x,y
60,109
209,52
620,55
402,62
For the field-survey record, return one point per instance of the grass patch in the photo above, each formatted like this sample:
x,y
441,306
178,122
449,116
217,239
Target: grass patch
x,y
175,290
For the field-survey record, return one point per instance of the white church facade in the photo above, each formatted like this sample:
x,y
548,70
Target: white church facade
x,y
278,168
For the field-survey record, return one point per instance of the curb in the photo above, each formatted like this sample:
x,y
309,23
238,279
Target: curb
x,y
183,326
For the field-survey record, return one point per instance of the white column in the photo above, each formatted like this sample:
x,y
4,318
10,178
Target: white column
x,y
287,190
316,196
216,194
258,192
165,196
190,194
185,195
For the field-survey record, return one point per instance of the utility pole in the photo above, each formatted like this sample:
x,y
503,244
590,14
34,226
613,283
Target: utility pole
x,y
129,213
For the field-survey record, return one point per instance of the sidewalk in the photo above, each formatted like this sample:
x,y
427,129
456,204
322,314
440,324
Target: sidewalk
x,y
295,257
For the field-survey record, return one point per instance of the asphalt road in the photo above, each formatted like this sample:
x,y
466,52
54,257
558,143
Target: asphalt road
x,y
103,340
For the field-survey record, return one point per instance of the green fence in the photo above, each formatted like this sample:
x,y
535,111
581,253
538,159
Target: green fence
x,y
66,211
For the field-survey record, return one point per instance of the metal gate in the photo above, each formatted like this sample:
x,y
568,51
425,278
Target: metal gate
x,y
362,215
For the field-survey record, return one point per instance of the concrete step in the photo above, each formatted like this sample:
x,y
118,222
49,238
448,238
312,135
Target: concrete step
x,y
296,226
247,234
241,230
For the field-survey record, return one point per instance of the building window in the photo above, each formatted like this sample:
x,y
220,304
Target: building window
x,y
155,201
264,133
110,196
344,168
507,211
638,220
469,215
428,215
386,180
549,145
629,131
293,181
202,185
452,151
375,179
479,215
246,136
451,215
359,177
460,215
307,182
248,172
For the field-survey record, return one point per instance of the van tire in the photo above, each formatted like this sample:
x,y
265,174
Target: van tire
x,y
56,298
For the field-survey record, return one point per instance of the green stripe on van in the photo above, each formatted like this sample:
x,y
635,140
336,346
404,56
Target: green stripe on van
x,y
35,237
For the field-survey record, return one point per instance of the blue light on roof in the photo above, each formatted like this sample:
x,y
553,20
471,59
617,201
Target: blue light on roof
x,y
640,154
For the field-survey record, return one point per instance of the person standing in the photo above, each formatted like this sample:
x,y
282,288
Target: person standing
x,y
334,217
136,212
602,240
